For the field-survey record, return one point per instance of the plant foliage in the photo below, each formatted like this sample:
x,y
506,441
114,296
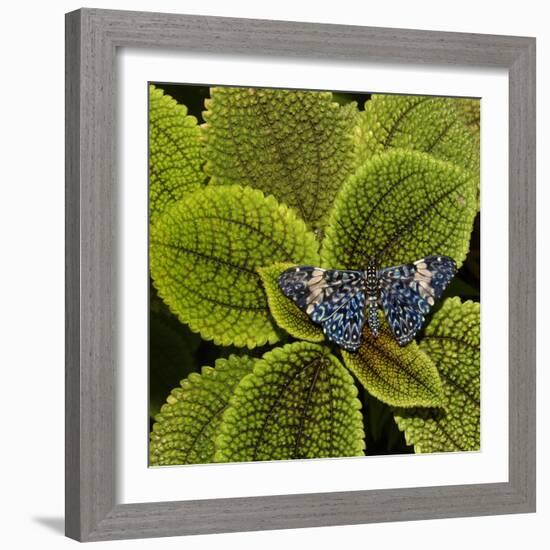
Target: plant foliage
x,y
469,110
172,357
434,125
280,178
452,341
286,313
174,152
296,146
187,425
204,253
399,207
400,376
299,402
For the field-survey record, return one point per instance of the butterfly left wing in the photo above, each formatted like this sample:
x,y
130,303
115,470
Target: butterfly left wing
x,y
408,292
333,298
344,327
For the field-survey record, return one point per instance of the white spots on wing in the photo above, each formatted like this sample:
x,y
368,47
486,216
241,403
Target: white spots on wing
x,y
423,278
427,287
316,285
424,273
315,295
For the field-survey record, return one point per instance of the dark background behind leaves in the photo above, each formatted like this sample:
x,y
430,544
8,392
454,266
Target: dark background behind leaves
x,y
175,351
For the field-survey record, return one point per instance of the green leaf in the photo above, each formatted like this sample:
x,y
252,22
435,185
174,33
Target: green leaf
x,y
382,432
299,402
285,312
452,341
398,208
174,152
343,98
172,348
429,124
295,145
185,430
205,250
469,110
399,376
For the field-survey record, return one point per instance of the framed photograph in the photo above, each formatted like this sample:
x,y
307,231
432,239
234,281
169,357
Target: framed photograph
x,y
300,284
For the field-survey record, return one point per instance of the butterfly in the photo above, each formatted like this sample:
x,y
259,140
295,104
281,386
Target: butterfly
x,y
342,300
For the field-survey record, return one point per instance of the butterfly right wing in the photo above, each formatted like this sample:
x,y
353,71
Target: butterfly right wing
x,y
333,298
408,292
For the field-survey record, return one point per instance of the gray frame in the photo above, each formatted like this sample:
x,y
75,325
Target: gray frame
x,y
92,38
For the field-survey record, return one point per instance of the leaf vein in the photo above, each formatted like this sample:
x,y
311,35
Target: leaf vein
x,y
282,158
305,409
400,119
280,396
404,229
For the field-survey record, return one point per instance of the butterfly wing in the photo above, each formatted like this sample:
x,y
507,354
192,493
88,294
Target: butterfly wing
x,y
333,298
344,327
408,292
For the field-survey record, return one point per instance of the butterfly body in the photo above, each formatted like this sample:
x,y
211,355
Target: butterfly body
x,y
372,290
341,301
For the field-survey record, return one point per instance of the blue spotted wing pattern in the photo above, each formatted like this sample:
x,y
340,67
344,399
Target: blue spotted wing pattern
x,y
333,298
408,292
337,299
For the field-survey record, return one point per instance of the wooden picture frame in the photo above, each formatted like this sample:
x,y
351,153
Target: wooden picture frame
x,y
92,39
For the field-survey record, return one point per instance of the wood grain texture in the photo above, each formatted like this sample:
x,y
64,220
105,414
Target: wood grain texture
x,y
92,37
522,274
254,37
91,207
72,276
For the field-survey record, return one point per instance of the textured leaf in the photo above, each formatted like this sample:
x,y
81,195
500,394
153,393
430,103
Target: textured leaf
x,y
186,428
174,152
452,341
299,402
399,376
382,432
469,110
429,124
205,251
286,313
470,113
297,146
172,350
399,207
